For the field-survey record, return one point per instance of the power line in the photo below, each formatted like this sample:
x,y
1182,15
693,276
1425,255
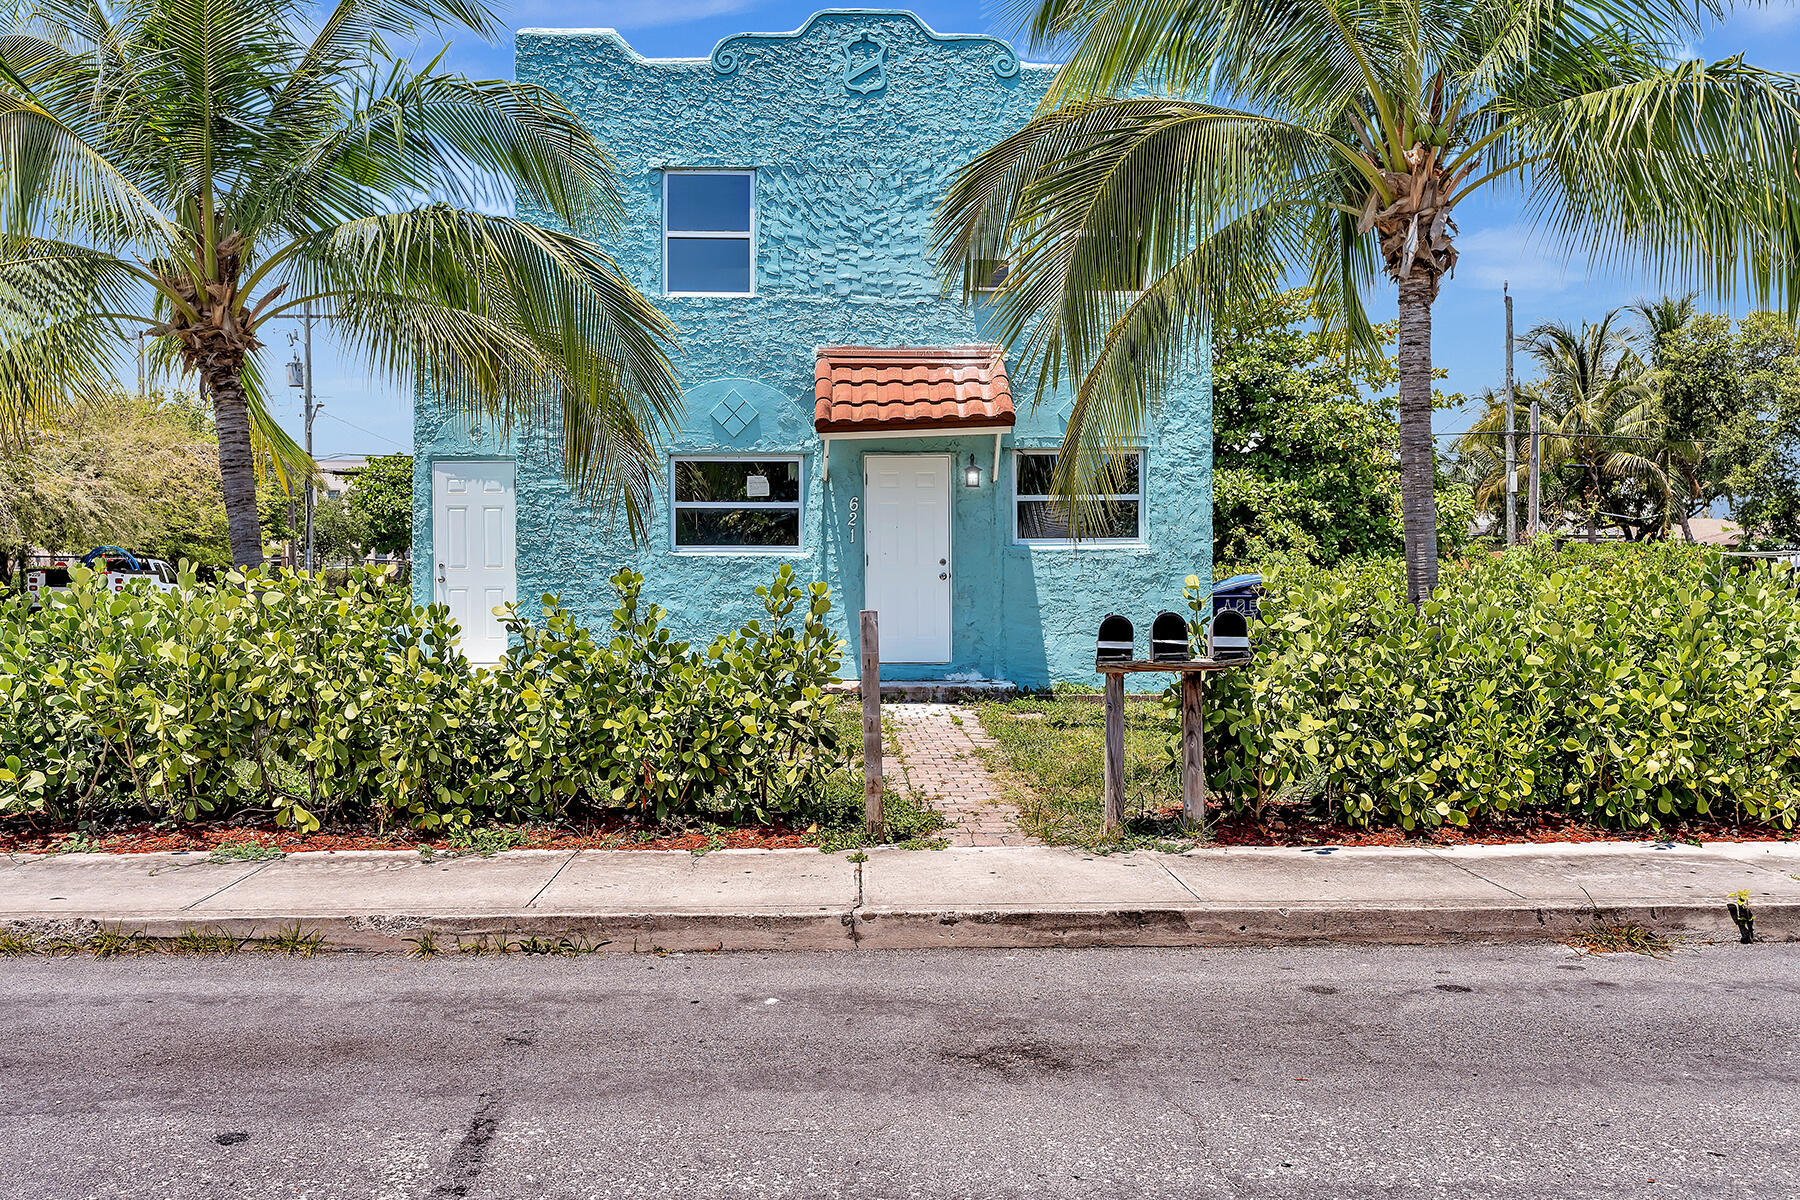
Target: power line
x,y
1567,437
331,416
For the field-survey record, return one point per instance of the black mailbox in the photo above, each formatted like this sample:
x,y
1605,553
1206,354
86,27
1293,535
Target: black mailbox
x,y
1115,644
1229,636
1168,638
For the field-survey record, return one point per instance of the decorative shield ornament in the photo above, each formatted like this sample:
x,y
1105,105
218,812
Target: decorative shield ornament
x,y
863,70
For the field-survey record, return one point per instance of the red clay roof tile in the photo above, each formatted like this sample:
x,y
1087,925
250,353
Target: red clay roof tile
x,y
868,389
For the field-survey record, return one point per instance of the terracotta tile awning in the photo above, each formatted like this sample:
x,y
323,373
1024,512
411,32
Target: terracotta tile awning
x,y
911,389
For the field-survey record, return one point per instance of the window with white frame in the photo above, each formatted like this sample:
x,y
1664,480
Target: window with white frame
x,y
736,503
1038,517
709,233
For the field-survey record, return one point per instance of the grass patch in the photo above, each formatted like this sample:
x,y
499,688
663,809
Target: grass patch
x,y
1051,757
486,840
907,821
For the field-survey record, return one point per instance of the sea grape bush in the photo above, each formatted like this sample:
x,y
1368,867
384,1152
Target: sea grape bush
x,y
275,692
1630,686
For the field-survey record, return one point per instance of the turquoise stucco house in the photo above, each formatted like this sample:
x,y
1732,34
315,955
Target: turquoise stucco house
x,y
843,413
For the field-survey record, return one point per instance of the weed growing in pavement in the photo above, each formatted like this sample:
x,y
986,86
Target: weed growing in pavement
x,y
486,841
76,842
1738,905
569,944
110,943
244,852
202,941
1619,937
293,941
425,945
117,941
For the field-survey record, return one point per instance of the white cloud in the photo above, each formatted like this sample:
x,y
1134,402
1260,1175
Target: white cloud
x,y
1766,18
625,14
1510,254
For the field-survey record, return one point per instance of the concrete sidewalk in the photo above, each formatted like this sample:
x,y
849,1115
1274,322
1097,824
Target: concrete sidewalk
x,y
987,896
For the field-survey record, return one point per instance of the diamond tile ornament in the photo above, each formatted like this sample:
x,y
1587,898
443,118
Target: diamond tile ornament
x,y
734,414
1065,411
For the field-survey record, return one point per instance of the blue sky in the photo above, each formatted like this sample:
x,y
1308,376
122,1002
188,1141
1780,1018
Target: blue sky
x,y
366,415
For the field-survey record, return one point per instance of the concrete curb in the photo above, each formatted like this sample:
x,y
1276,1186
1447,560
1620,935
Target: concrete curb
x,y
946,929
1004,897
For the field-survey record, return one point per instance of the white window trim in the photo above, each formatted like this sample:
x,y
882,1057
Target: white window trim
x,y
799,506
996,288
1141,496
723,234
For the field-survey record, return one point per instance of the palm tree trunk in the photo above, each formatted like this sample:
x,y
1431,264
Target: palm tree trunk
x,y
1687,530
1418,451
237,465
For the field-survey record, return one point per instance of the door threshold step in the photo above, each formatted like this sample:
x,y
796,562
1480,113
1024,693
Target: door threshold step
x,y
927,691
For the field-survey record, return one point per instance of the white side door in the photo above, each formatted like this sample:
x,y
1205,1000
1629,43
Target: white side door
x,y
474,511
906,572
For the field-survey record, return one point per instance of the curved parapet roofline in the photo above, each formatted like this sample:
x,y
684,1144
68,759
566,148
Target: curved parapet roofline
x,y
727,56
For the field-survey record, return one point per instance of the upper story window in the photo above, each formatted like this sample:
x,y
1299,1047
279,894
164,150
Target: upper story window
x,y
709,233
1039,518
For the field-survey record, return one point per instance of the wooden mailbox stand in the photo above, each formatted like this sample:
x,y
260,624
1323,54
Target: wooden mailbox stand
x,y
1193,730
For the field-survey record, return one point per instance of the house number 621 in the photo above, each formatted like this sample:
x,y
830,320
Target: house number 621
x,y
853,507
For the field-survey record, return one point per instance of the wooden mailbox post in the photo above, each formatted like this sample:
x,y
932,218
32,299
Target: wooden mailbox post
x,y
1193,730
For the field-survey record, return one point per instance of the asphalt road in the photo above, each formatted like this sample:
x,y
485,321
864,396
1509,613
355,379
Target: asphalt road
x,y
1490,1072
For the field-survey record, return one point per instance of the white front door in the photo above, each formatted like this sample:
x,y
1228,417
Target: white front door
x,y
473,513
906,573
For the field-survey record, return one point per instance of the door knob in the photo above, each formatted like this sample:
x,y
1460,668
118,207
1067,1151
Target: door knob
x,y
440,577
943,574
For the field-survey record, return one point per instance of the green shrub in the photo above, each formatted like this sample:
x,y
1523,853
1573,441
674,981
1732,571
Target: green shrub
x,y
277,692
1630,686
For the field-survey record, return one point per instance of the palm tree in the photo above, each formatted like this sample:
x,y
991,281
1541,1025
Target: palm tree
x,y
193,169
1601,415
1682,455
1335,138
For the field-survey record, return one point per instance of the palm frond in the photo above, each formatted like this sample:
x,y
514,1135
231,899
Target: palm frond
x,y
496,317
1687,172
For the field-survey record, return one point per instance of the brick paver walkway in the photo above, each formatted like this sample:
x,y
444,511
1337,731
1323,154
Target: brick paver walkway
x,y
939,760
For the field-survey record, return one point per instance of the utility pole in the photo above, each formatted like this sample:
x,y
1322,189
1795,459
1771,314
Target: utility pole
x,y
1533,525
1512,448
306,321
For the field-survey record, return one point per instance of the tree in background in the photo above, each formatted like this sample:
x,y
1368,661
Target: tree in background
x,y
1602,416
138,472
1722,426
1765,481
1305,445
1333,139
381,496
1603,452
193,169
341,532
1708,432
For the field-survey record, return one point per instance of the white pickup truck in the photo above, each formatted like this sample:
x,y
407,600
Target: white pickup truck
x,y
118,568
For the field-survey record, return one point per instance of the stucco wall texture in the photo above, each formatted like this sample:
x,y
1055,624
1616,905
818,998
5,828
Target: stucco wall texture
x,y
846,185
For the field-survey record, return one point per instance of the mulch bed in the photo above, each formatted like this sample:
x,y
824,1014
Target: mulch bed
x,y
619,834
1294,830
615,835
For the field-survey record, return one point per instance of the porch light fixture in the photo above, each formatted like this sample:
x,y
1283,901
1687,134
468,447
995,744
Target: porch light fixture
x,y
972,474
